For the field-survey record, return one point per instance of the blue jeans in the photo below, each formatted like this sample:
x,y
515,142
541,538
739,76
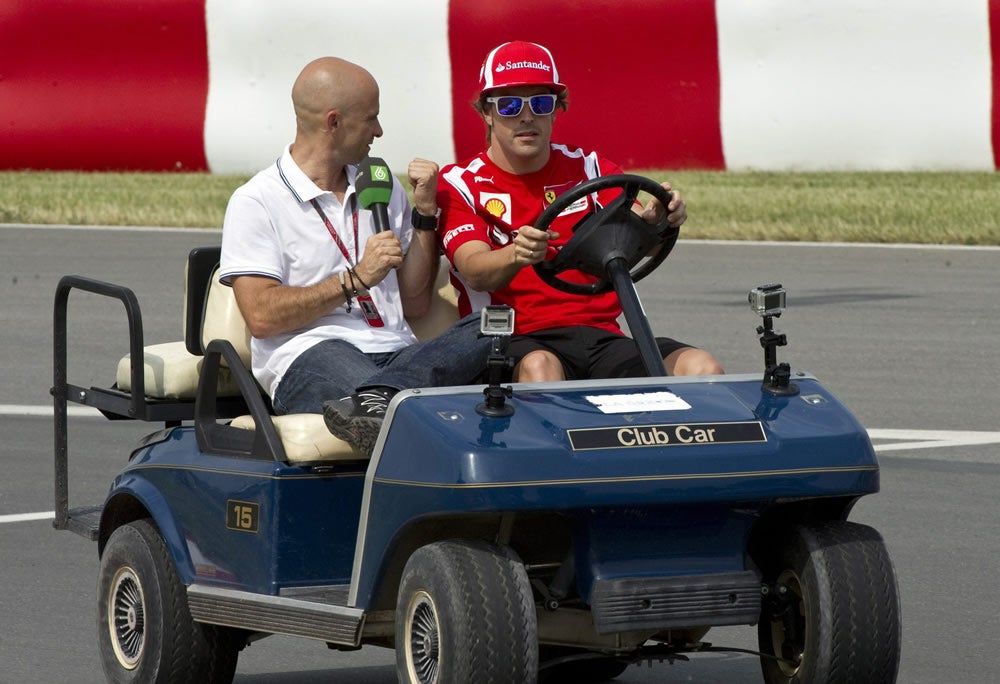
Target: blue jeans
x,y
334,368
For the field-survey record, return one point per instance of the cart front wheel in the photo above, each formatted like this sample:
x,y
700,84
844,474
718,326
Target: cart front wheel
x,y
465,614
145,629
831,611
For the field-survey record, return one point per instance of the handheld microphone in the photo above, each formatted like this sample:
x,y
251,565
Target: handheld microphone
x,y
374,186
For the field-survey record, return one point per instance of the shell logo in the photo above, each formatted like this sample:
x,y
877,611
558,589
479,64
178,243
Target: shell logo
x,y
496,204
496,207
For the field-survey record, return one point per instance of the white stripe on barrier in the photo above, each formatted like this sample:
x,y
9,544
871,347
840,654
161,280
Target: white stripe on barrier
x,y
854,84
256,52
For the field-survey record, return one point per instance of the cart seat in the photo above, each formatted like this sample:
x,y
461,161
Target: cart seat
x,y
172,369
305,436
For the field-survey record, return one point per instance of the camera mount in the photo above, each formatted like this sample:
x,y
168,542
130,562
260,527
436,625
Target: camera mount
x,y
497,322
768,301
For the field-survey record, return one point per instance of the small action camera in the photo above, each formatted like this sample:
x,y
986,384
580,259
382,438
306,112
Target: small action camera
x,y
767,300
497,321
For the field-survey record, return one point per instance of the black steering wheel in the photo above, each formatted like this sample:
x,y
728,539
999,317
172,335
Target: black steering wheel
x,y
612,232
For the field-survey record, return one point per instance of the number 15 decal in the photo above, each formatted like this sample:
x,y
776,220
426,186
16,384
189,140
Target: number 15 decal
x,y
242,515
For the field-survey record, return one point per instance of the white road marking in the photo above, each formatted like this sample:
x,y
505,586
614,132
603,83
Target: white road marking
x,y
885,440
931,439
24,410
24,517
924,439
900,440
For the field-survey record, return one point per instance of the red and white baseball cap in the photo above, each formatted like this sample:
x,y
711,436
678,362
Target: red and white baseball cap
x,y
519,63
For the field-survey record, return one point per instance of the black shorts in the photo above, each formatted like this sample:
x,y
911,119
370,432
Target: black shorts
x,y
590,352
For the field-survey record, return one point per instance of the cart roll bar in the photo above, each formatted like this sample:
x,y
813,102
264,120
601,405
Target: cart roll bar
x,y
60,389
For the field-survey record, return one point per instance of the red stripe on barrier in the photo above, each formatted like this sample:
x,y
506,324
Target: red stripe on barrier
x,y
106,85
995,51
643,76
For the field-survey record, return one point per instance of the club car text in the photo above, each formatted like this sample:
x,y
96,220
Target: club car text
x,y
685,434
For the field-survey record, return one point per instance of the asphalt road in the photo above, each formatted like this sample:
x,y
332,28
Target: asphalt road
x,y
907,337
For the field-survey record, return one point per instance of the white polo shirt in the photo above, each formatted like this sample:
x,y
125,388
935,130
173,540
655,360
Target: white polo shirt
x,y
271,229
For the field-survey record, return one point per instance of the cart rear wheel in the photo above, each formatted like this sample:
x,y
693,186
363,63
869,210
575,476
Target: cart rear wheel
x,y
832,610
465,613
145,629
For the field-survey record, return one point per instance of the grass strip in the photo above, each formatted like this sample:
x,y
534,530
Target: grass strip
x,y
889,207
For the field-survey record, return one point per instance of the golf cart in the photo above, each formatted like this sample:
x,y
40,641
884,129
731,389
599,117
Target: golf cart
x,y
499,533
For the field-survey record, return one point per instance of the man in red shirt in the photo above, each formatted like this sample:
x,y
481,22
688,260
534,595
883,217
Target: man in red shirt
x,y
488,207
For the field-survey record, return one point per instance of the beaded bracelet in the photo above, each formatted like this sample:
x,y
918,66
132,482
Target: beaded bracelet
x,y
354,274
354,288
347,295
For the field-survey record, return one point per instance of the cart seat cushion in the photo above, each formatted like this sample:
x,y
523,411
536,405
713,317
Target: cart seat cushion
x,y
305,438
222,320
170,371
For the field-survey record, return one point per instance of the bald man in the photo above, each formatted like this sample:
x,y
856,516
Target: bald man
x,y
324,295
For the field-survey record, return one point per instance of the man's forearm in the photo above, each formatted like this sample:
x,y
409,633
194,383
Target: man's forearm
x,y
418,273
276,309
489,270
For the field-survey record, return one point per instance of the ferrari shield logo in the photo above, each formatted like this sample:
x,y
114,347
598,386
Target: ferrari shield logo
x,y
551,192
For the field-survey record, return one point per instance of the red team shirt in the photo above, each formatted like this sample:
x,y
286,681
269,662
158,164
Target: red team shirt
x,y
480,201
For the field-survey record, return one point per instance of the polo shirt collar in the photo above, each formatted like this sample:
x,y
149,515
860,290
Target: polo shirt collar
x,y
300,185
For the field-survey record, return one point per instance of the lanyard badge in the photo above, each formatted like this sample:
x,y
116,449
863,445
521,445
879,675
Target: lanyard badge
x,y
368,308
365,301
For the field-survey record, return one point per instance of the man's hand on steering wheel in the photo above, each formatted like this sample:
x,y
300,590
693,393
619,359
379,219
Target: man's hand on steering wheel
x,y
676,211
616,232
531,246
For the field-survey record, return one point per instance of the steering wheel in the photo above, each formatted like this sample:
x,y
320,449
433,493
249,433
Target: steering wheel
x,y
612,232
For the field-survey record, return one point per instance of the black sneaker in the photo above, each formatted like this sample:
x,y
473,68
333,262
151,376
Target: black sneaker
x,y
357,419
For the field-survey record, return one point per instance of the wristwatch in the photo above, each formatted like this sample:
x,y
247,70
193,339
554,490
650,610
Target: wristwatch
x,y
421,222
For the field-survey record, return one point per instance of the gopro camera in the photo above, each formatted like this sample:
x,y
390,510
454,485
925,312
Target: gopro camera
x,y
497,321
767,300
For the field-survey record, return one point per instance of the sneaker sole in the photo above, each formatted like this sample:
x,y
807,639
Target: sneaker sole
x,y
361,433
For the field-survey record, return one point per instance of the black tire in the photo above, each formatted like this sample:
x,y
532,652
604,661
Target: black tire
x,y
145,630
465,613
833,613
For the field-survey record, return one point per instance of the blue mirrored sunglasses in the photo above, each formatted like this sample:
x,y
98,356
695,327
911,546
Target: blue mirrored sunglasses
x,y
511,105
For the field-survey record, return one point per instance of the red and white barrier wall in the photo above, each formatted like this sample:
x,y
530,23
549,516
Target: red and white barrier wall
x,y
716,84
